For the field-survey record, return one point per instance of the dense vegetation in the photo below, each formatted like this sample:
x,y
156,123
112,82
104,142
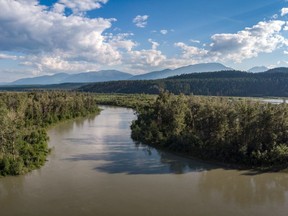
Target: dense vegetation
x,y
24,118
223,83
135,101
27,88
213,128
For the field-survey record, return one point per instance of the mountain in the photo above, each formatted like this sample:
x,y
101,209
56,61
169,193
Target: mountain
x,y
258,69
96,76
196,68
42,80
99,76
152,75
278,70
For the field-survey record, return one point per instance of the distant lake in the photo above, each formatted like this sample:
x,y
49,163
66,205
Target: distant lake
x,y
96,169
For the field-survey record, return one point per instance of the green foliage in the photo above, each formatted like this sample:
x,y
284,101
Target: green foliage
x,y
135,101
214,128
24,118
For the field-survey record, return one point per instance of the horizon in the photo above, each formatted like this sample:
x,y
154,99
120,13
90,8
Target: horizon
x,y
133,37
50,75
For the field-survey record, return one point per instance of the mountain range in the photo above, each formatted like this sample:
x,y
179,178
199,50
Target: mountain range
x,y
258,69
114,75
95,76
196,68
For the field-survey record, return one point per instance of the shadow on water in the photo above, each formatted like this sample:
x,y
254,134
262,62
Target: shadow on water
x,y
141,160
117,153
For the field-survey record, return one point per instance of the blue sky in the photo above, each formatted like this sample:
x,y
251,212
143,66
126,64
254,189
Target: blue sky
x,y
138,36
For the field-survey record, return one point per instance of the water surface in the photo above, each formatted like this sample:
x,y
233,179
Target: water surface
x,y
96,169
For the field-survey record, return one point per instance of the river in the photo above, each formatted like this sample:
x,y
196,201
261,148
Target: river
x,y
96,169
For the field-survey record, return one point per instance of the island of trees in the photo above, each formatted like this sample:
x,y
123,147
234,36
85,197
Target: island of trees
x,y
234,131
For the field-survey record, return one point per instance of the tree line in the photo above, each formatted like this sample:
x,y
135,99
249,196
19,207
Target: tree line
x,y
223,83
24,119
228,130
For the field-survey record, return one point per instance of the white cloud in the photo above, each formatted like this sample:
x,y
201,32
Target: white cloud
x,y
58,8
265,37
195,41
275,16
154,44
140,60
284,11
9,57
79,6
143,59
31,29
191,51
141,21
121,41
164,31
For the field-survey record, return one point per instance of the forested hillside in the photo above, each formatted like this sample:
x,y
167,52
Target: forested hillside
x,y
24,118
223,83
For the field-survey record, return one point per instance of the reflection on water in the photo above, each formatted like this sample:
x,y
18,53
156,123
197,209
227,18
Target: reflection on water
x,y
142,160
96,169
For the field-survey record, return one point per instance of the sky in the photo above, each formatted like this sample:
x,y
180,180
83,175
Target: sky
x,y
42,37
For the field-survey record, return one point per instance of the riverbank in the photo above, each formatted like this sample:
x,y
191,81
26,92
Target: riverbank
x,y
25,118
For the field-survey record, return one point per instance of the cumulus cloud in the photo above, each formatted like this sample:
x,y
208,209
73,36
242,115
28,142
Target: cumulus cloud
x,y
154,44
141,21
122,41
191,51
264,37
59,8
284,11
143,59
140,60
29,28
79,6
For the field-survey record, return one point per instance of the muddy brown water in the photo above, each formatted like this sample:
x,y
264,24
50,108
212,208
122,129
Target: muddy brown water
x,y
96,169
